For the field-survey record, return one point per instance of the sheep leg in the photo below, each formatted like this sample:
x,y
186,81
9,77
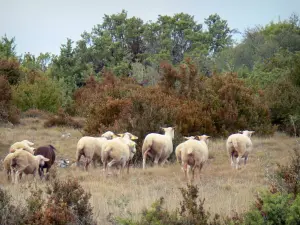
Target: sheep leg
x,y
16,177
184,166
111,163
245,160
237,162
231,158
78,158
157,157
87,163
128,165
144,158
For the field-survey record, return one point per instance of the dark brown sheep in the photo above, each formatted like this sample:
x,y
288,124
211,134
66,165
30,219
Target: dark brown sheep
x,y
47,151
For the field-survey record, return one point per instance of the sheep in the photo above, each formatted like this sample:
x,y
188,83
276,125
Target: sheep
x,y
7,162
47,151
24,162
91,147
25,145
120,150
158,146
194,153
239,146
180,146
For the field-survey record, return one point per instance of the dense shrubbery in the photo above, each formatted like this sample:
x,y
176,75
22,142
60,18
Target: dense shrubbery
x,y
43,93
196,104
66,203
62,119
8,112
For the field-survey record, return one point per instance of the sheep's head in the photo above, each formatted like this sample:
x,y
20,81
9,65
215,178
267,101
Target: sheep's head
x,y
248,133
169,131
41,159
129,136
190,138
203,137
109,135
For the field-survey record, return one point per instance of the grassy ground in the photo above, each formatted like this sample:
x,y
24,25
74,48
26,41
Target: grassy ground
x,y
224,189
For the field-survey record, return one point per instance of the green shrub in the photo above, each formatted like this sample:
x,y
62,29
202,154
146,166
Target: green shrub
x,y
43,94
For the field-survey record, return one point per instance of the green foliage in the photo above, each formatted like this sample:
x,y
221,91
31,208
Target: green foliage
x,y
270,209
44,94
7,48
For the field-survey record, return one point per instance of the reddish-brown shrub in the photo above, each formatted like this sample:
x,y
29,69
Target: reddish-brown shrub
x,y
10,69
196,104
62,119
8,112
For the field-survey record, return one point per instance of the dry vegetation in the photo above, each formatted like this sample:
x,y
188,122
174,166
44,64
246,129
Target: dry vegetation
x,y
225,190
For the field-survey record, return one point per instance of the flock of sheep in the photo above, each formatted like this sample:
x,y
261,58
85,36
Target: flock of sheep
x,y
118,151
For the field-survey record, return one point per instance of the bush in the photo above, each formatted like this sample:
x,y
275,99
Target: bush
x,y
281,204
9,214
215,106
62,119
43,94
10,69
65,202
70,194
35,113
8,112
191,212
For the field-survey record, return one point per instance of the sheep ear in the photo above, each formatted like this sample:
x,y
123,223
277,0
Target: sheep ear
x,y
115,136
121,135
133,137
46,159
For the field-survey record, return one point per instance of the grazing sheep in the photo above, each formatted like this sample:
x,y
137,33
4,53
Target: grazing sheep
x,y
25,145
239,146
48,152
158,146
194,153
91,147
120,151
23,161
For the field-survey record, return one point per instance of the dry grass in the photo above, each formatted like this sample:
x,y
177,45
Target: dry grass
x,y
224,189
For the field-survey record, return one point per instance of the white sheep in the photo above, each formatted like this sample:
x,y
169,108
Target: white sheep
x,y
25,162
25,145
7,162
239,146
120,151
194,153
158,146
180,146
91,147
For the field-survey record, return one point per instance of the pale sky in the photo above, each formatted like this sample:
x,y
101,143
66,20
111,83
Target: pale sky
x,y
42,26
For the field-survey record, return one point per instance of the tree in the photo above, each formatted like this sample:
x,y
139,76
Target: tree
x,y
7,48
219,34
